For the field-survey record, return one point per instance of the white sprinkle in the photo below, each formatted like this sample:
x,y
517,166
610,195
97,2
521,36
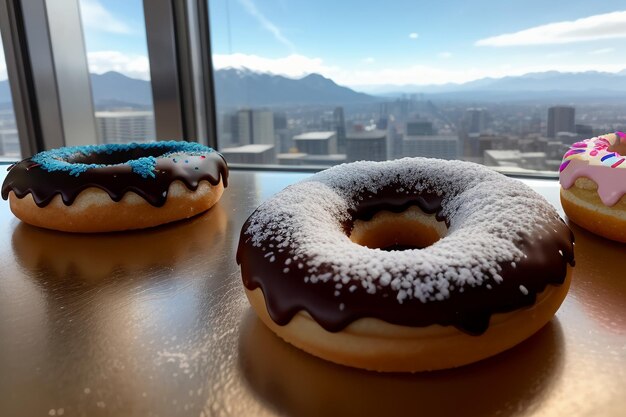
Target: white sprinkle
x,y
60,411
341,306
87,391
523,289
285,270
489,286
352,288
288,261
337,293
560,252
52,412
513,264
272,259
300,266
164,193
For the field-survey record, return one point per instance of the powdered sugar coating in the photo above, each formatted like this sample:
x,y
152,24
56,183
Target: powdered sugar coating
x,y
489,215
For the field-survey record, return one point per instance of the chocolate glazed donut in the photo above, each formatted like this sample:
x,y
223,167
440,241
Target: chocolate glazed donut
x,y
500,259
115,187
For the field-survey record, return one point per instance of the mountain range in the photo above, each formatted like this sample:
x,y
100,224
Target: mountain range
x,y
242,87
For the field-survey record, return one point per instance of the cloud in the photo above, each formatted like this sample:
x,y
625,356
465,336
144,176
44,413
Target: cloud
x,y
369,60
601,26
134,66
96,17
298,65
445,55
413,35
602,51
266,23
293,65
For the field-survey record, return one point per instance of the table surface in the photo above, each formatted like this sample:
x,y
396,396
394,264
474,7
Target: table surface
x,y
156,323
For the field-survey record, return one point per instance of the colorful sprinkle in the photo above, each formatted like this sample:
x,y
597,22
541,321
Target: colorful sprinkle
x,y
605,157
58,159
621,134
618,163
573,152
579,145
564,165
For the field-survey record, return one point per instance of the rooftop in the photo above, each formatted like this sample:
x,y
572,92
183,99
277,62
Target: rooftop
x,y
314,136
259,148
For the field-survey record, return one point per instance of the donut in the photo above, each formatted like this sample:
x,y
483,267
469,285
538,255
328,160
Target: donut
x,y
408,265
114,187
593,185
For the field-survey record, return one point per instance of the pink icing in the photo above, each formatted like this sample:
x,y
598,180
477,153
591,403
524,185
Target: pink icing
x,y
611,182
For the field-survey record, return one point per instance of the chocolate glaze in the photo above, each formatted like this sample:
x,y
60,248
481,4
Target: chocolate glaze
x,y
117,179
469,311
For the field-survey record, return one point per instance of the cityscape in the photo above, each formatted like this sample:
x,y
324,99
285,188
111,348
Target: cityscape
x,y
517,136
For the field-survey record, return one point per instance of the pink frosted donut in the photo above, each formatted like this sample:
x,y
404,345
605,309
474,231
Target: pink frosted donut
x,y
593,180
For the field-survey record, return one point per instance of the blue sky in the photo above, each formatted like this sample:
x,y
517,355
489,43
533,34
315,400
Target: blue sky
x,y
367,43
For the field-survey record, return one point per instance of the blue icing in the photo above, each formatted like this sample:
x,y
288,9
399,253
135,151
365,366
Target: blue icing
x,y
57,159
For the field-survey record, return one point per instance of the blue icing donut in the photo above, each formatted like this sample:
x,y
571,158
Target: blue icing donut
x,y
61,159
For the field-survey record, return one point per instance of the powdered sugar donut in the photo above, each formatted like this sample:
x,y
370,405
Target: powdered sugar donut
x,y
115,187
475,262
593,180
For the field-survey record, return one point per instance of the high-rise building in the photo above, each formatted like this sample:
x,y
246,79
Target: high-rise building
x,y
316,143
561,119
125,126
9,140
255,127
366,145
475,120
340,128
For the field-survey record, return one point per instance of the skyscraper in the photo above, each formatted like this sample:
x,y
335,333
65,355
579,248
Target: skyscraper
x,y
561,119
255,127
475,120
340,128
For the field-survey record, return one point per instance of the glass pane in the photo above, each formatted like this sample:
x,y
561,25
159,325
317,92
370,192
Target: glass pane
x,y
9,139
117,53
319,83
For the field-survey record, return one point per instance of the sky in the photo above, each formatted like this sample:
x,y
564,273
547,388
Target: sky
x,y
363,44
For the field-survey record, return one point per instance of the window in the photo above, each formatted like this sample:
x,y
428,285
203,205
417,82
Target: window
x,y
115,39
9,140
320,83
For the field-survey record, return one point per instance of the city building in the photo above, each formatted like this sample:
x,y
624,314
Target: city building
x,y
125,126
515,159
475,120
340,128
9,140
366,145
419,128
303,159
255,126
561,119
444,147
250,154
316,143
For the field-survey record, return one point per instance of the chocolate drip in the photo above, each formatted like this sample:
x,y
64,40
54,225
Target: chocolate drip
x,y
468,310
27,177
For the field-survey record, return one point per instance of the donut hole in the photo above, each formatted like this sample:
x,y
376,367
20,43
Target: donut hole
x,y
118,157
410,229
